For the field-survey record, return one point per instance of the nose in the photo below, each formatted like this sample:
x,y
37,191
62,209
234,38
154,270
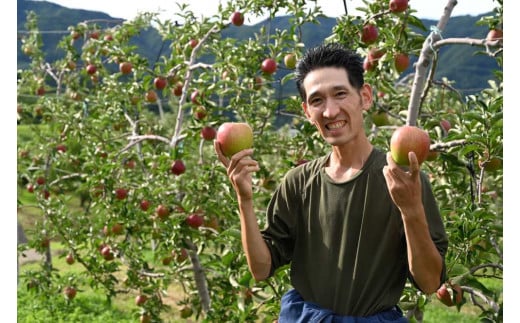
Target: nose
x,y
331,109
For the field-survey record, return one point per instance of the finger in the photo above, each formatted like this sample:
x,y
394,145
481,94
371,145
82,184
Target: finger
x,y
414,164
223,159
389,160
241,159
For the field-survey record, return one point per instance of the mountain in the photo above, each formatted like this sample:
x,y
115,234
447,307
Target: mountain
x,y
462,64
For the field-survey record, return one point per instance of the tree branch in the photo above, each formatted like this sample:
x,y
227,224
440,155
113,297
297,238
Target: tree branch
x,y
424,62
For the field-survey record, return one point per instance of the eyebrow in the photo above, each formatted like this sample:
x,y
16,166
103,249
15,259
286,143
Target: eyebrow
x,y
334,88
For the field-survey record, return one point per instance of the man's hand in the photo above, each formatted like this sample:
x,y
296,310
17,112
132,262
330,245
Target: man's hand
x,y
404,184
239,169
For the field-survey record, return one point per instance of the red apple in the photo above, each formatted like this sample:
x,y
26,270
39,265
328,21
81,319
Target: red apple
x,y
94,34
443,294
195,220
369,34
398,5
268,66
194,97
117,228
177,90
61,148
30,188
401,62
193,43
162,211
178,167
257,82
159,82
144,205
200,112
151,96
40,180
125,67
495,34
406,139
140,299
234,137
237,18
106,252
69,259
75,34
290,61
121,193
91,69
40,90
108,37
181,255
208,133
369,65
69,292
445,125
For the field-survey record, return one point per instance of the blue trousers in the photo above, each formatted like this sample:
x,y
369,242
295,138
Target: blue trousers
x,y
295,310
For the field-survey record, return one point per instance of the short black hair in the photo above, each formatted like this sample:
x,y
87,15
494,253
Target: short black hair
x,y
330,55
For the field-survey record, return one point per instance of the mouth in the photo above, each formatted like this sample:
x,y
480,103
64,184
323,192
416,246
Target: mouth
x,y
336,125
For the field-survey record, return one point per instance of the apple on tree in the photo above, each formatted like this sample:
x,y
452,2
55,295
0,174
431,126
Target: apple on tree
x,y
495,34
401,62
69,259
193,43
151,96
380,118
91,69
140,299
159,82
237,18
369,33
195,220
397,6
199,112
162,211
406,139
234,137
69,292
121,193
290,61
178,167
268,66
125,67
208,133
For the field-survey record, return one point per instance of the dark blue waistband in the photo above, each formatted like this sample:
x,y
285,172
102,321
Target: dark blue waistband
x,y
295,310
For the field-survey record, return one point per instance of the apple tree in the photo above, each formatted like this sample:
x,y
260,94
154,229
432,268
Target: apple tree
x,y
118,155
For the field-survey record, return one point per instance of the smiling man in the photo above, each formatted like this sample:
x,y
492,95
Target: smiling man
x,y
352,224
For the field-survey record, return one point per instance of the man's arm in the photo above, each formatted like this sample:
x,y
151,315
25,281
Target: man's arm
x,y
239,169
424,260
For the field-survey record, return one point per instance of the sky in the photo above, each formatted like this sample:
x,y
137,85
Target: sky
x,y
426,9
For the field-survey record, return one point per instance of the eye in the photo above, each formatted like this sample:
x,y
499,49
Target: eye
x,y
315,101
341,94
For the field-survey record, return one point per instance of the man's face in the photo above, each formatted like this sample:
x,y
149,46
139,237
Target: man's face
x,y
334,106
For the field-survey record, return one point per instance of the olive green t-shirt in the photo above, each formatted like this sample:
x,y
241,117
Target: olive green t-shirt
x,y
345,242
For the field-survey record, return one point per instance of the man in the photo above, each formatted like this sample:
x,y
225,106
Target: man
x,y
352,224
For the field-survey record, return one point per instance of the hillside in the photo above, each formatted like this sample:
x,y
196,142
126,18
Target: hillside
x,y
462,64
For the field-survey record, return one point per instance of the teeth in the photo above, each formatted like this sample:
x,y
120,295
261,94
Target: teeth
x,y
336,125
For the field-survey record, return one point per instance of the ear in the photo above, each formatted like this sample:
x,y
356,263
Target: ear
x,y
366,96
305,110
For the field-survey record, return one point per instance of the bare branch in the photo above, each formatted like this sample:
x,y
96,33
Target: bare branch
x,y
424,62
